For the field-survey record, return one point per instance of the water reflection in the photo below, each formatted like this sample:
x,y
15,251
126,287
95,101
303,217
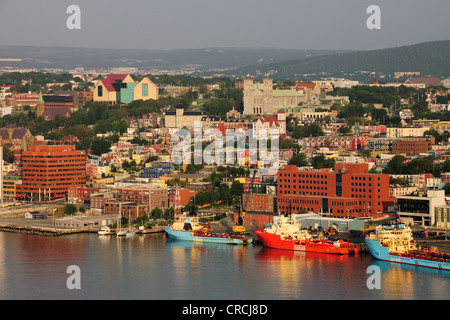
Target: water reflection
x,y
199,267
155,267
304,275
402,281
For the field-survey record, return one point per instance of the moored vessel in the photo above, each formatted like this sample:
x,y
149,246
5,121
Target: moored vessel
x,y
395,243
285,233
188,228
105,230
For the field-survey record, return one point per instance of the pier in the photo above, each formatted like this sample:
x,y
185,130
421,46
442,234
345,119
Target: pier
x,y
48,232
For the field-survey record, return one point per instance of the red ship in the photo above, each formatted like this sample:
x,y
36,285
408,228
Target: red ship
x,y
286,234
319,246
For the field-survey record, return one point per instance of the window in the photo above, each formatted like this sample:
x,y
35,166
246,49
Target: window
x,y
100,91
145,90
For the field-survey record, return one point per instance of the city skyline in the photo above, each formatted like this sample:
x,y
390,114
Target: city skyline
x,y
170,25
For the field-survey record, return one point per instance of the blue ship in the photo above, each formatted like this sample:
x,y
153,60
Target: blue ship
x,y
189,229
394,243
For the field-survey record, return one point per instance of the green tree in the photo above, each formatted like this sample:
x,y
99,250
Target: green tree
x,y
237,189
70,209
299,160
100,146
447,188
157,213
319,162
395,165
8,154
395,121
344,130
446,166
218,106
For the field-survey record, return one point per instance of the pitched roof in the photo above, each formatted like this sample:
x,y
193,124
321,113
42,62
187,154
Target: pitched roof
x,y
110,81
429,82
16,132
50,113
272,120
302,85
116,76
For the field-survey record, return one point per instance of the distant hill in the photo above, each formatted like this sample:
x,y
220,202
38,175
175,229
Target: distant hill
x,y
201,59
430,58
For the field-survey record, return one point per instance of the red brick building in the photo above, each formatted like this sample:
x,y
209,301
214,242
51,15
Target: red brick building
x,y
48,171
349,191
179,198
259,209
259,202
159,197
258,219
80,194
129,210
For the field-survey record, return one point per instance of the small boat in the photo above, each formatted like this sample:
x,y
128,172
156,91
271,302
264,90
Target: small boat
x,y
130,233
105,230
121,232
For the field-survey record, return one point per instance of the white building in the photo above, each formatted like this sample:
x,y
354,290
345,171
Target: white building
x,y
421,208
264,125
406,132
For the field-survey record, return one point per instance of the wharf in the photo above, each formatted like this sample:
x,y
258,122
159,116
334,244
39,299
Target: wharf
x,y
150,230
49,232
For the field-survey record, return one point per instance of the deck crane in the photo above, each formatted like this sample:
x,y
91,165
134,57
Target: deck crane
x,y
239,227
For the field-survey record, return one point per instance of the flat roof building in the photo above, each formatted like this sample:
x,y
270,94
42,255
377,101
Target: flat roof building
x,y
349,191
49,170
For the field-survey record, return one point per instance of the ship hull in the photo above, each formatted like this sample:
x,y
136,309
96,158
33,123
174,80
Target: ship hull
x,y
189,236
327,247
380,252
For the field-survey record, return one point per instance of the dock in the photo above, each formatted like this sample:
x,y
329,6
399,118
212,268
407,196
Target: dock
x,y
150,230
48,232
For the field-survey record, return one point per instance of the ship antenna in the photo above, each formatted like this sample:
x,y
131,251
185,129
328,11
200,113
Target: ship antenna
x,y
193,213
395,214
290,208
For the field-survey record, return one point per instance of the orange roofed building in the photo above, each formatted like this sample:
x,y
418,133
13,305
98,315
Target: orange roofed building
x,y
49,170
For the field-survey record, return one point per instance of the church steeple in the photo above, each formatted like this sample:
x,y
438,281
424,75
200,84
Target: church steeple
x,y
40,106
40,100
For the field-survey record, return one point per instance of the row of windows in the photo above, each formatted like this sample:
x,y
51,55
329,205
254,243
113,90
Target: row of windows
x,y
363,178
363,185
365,190
321,176
304,193
304,187
344,211
303,175
303,181
304,201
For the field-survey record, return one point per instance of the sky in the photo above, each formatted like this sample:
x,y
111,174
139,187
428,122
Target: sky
x,y
182,24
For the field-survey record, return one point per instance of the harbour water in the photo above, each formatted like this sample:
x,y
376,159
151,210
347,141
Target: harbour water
x,y
153,267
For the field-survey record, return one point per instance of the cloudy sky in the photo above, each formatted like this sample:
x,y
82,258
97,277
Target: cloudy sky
x,y
180,24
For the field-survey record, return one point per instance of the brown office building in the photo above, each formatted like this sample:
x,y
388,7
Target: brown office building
x,y
412,146
129,210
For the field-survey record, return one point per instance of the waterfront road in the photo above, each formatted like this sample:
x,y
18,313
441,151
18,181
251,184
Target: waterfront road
x,y
15,211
